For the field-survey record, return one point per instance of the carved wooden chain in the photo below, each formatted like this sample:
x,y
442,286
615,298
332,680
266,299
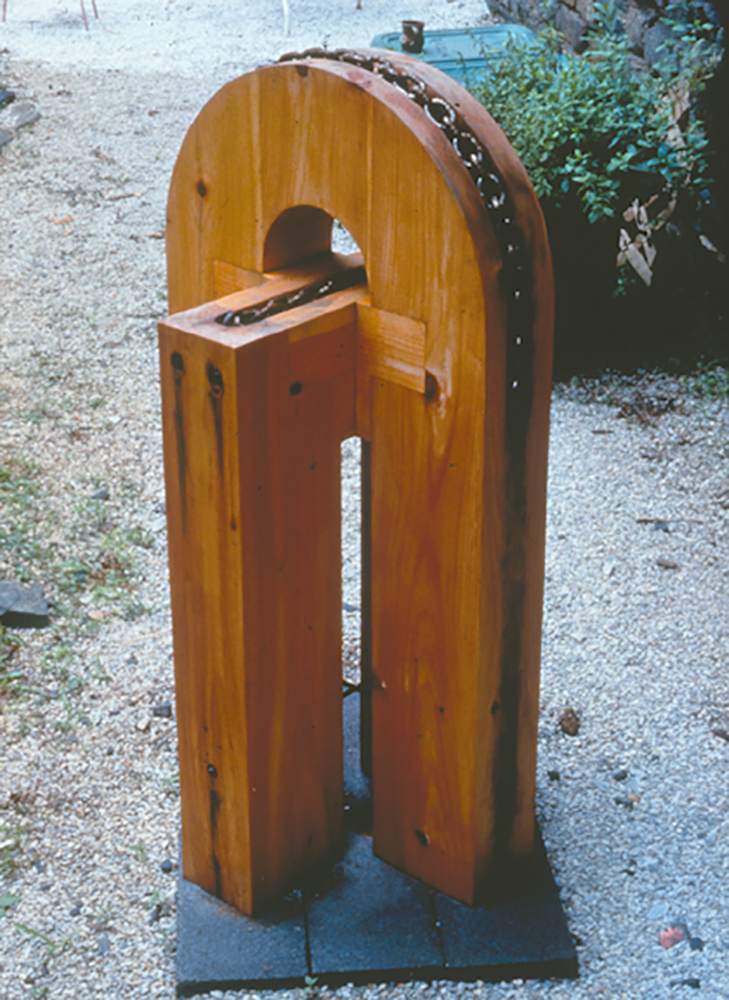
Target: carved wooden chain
x,y
289,300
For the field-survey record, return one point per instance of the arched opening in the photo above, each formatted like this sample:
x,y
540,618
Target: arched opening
x,y
302,232
297,233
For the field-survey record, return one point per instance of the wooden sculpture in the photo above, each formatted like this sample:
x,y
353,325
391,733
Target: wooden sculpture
x,y
439,359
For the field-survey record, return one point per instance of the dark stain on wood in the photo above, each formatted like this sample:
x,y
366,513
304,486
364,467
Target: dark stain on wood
x,y
216,398
516,281
178,367
214,809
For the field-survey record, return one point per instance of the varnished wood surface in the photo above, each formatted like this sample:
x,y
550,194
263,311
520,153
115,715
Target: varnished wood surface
x,y
253,486
414,364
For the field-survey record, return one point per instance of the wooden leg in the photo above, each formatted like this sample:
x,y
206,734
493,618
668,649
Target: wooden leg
x,y
252,456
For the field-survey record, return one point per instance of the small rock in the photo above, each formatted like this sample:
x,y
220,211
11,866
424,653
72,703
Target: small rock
x,y
662,526
553,775
696,944
75,911
569,722
21,606
22,114
671,936
609,567
162,909
101,494
163,710
721,733
657,911
143,723
6,97
104,946
6,136
45,887
620,775
666,563
167,866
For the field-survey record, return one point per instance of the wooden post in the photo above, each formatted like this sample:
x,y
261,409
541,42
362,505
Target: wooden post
x,y
428,365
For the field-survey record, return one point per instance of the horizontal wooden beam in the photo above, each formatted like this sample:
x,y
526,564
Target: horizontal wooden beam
x,y
390,347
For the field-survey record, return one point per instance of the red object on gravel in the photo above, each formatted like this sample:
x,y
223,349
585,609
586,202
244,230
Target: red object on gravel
x,y
671,936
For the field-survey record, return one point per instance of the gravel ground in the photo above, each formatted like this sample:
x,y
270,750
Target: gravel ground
x,y
633,808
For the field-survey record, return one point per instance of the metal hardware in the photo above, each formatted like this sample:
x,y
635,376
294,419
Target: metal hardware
x,y
412,39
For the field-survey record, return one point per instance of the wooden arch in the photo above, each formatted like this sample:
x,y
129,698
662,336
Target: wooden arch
x,y
417,364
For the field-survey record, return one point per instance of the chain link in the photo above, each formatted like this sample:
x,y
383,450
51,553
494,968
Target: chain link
x,y
289,300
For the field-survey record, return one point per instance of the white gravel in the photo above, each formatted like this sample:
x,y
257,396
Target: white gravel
x,y
204,39
636,823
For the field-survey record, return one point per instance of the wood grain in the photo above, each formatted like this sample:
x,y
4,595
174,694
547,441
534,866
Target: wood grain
x,y
228,278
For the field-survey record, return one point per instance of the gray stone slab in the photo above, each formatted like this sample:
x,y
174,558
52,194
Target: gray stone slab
x,y
370,921
220,949
22,606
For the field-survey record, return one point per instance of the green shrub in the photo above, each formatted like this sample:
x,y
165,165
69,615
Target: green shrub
x,y
589,127
620,163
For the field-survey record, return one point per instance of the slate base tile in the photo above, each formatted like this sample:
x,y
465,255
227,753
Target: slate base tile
x,y
523,934
218,948
366,916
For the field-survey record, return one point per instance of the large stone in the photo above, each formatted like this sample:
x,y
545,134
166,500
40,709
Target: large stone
x,y
654,40
572,25
636,21
21,606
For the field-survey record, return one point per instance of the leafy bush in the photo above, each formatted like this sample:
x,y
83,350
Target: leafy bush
x,y
620,163
589,127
